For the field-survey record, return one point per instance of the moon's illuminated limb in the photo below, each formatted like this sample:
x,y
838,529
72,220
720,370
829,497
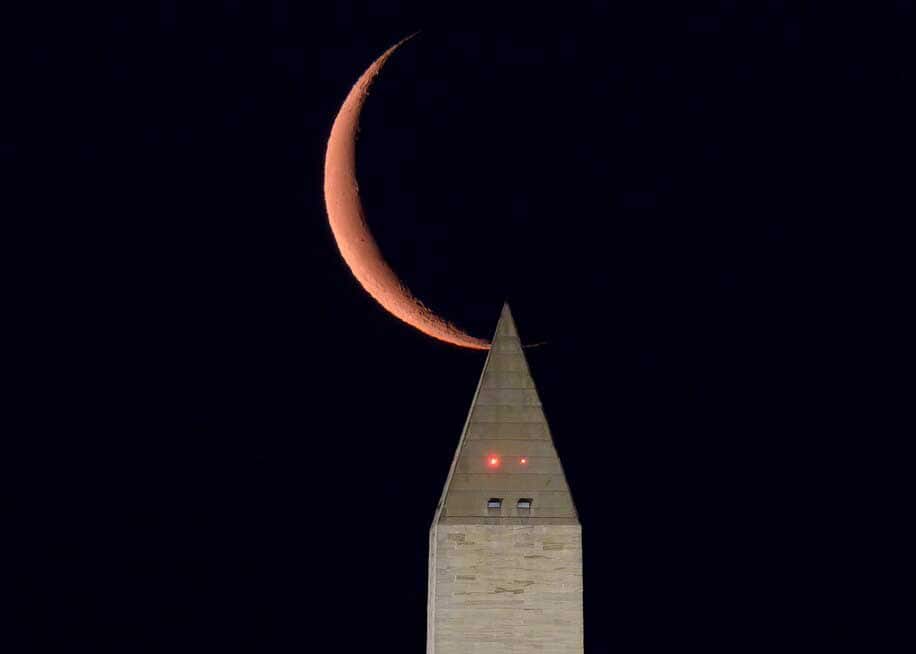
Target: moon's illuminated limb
x,y
348,223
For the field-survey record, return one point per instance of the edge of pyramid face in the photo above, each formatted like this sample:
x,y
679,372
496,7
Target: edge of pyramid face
x,y
506,469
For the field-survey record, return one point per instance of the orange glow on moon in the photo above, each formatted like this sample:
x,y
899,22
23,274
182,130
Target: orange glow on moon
x,y
348,223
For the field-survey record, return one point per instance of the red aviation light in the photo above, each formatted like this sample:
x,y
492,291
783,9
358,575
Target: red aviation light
x,y
492,461
523,460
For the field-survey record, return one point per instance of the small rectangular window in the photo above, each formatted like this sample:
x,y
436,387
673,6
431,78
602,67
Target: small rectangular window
x,y
524,503
495,503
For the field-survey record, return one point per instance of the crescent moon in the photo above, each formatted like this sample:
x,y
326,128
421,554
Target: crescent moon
x,y
351,232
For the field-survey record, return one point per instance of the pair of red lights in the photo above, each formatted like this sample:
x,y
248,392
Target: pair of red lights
x,y
494,461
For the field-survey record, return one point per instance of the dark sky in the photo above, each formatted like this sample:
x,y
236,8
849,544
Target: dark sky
x,y
230,447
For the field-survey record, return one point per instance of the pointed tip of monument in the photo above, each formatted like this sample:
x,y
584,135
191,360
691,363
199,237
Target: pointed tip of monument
x,y
505,326
506,447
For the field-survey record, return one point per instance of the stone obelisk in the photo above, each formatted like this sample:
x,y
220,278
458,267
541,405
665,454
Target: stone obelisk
x,y
505,547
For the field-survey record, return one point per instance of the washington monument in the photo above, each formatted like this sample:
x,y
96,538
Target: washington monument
x,y
505,547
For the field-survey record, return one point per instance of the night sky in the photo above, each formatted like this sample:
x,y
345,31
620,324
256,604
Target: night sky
x,y
697,206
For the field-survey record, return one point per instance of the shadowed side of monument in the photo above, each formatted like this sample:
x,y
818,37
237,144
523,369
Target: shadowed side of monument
x,y
505,560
